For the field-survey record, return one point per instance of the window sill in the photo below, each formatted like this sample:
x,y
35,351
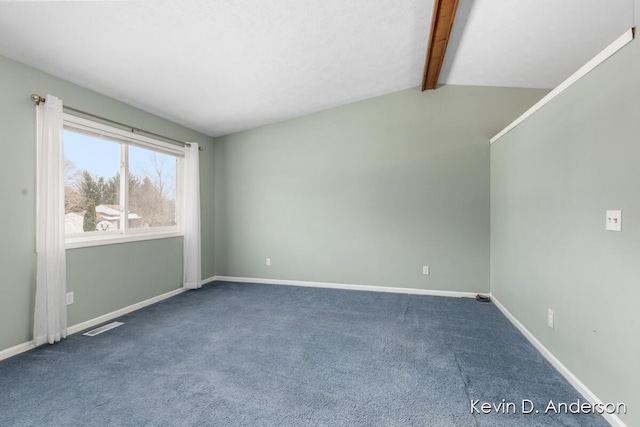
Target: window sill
x,y
84,242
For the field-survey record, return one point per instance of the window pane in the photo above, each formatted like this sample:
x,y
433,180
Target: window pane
x,y
152,188
91,183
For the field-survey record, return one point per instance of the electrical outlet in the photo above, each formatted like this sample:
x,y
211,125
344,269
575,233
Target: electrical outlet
x,y
268,261
425,269
69,298
550,318
613,221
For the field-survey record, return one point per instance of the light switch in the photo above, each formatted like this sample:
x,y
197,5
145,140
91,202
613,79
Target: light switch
x,y
614,221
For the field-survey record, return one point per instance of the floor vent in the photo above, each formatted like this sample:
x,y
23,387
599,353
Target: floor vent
x,y
101,329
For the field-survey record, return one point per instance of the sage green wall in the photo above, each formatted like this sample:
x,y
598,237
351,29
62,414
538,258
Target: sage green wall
x,y
103,278
552,179
366,193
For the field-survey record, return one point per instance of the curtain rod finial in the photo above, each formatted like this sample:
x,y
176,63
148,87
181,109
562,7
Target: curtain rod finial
x,y
37,99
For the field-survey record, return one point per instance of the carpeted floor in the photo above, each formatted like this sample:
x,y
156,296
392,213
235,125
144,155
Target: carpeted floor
x,y
262,355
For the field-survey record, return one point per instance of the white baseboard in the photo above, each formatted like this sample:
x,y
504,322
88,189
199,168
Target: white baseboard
x,y
15,350
121,312
413,291
21,348
208,280
612,419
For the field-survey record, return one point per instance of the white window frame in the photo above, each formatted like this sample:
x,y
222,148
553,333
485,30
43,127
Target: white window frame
x,y
124,234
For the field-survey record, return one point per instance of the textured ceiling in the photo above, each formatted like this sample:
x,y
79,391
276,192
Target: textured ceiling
x,y
530,43
223,66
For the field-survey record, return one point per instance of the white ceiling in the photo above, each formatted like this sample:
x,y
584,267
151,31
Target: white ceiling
x,y
223,66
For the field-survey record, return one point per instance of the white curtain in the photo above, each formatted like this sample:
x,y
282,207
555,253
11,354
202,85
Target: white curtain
x,y
50,317
191,218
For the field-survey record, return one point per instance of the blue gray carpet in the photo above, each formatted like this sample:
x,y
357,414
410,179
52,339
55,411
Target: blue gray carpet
x,y
261,355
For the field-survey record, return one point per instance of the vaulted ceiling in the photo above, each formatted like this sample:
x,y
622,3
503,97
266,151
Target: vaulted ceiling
x,y
221,66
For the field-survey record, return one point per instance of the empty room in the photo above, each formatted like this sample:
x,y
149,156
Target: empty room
x,y
320,213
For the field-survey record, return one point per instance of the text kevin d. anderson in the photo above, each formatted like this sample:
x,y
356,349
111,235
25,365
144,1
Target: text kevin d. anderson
x,y
526,406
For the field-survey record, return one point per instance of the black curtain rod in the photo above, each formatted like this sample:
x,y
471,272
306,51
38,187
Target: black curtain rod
x,y
38,99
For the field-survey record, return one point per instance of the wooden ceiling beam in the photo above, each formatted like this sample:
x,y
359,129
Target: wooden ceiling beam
x,y
444,12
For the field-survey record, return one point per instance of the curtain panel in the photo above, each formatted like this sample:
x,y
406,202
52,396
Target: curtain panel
x,y
50,314
191,218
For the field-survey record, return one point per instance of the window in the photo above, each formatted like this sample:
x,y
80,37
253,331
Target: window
x,y
118,186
